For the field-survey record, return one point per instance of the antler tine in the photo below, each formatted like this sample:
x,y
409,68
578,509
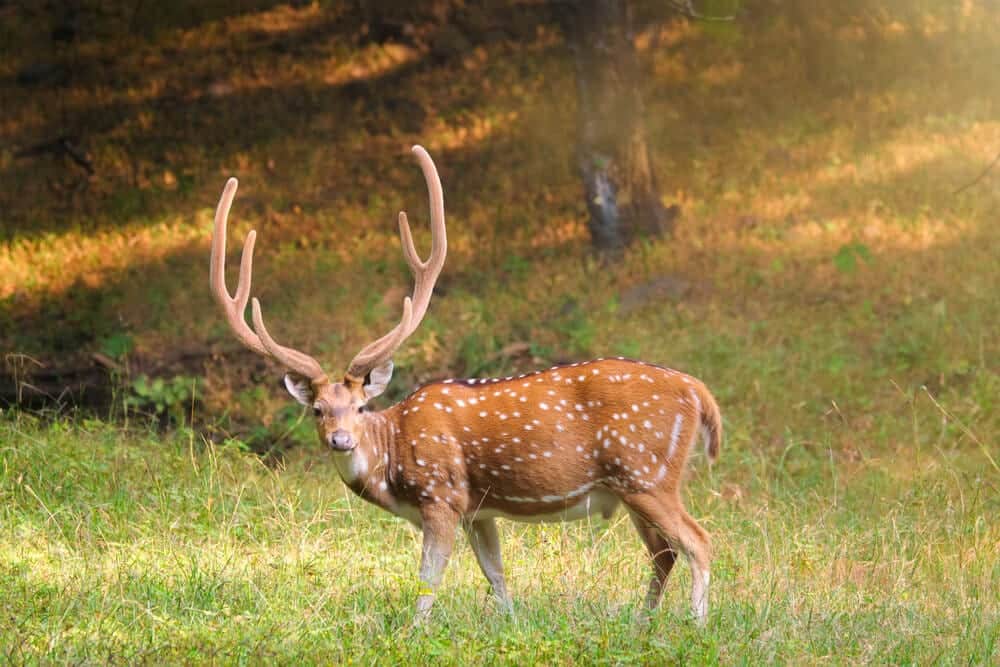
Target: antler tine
x,y
425,273
297,361
232,306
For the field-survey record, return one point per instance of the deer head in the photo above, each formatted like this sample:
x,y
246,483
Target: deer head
x,y
336,405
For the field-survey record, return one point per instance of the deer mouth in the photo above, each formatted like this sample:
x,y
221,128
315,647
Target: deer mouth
x,y
343,448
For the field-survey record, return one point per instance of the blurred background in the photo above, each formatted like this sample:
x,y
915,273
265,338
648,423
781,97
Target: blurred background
x,y
793,202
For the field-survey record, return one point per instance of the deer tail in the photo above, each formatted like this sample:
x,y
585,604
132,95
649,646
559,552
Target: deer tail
x,y
711,423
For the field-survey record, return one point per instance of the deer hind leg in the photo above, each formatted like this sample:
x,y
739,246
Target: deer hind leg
x,y
683,534
485,542
439,523
663,559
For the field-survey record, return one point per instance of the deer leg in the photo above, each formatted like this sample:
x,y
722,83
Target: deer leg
x,y
439,523
485,543
684,534
701,549
663,559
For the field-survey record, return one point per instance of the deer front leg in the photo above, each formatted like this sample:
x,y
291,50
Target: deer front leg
x,y
439,524
485,543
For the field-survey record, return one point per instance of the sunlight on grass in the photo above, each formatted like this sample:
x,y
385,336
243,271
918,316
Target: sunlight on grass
x,y
129,544
372,61
49,264
277,19
471,131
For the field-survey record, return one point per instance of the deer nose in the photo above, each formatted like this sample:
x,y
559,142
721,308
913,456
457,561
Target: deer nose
x,y
341,440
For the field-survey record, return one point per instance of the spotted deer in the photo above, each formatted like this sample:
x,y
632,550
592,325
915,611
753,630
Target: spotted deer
x,y
555,445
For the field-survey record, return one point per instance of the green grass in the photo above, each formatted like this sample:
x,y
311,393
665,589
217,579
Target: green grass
x,y
121,545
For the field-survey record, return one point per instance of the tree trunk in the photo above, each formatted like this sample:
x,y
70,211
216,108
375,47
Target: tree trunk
x,y
618,179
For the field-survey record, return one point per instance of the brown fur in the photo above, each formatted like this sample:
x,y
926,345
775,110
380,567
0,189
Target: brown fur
x,y
536,445
520,450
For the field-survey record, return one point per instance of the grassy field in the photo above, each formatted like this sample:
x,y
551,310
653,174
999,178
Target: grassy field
x,y
126,546
828,281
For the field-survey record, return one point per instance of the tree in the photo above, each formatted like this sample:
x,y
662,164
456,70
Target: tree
x,y
619,182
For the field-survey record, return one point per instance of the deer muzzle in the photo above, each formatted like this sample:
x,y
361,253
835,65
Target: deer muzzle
x,y
341,440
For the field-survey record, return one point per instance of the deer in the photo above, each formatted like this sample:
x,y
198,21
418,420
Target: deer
x,y
567,443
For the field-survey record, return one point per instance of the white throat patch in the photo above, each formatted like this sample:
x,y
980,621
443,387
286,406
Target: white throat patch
x,y
352,465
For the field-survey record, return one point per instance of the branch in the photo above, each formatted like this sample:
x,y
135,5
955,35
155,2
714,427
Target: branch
x,y
978,178
62,145
686,7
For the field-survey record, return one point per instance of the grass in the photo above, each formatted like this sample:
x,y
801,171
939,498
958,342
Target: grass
x,y
833,291
121,545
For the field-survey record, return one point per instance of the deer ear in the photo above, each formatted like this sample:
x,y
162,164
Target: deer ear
x,y
300,388
377,380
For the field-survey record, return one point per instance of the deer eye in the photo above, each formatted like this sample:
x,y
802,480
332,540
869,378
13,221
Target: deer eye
x,y
317,412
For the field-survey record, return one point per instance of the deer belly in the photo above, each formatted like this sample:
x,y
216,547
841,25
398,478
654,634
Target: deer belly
x,y
597,502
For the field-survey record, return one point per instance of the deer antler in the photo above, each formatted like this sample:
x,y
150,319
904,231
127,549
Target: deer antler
x,y
297,361
425,274
234,307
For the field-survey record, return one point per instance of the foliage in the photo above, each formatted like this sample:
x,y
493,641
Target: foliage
x,y
575,328
166,398
847,257
117,345
290,424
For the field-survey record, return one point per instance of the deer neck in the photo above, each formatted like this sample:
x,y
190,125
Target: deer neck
x,y
365,469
